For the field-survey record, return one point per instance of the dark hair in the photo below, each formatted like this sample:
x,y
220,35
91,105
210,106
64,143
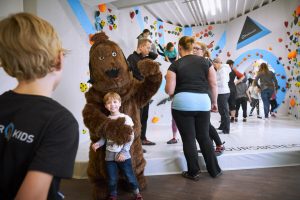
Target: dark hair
x,y
146,31
186,42
229,62
169,46
263,68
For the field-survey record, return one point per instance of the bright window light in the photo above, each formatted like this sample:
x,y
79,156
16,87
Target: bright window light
x,y
219,5
205,6
212,7
209,7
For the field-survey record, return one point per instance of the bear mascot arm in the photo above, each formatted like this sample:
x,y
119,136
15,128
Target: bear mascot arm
x,y
152,80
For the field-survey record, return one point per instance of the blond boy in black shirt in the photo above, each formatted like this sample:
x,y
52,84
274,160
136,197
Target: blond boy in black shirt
x,y
38,136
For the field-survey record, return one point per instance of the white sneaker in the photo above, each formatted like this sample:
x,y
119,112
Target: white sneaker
x,y
219,131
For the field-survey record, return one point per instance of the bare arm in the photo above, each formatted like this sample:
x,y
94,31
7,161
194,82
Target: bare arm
x,y
35,186
212,81
170,83
248,94
239,80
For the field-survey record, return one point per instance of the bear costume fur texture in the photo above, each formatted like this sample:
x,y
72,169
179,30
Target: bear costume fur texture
x,y
110,72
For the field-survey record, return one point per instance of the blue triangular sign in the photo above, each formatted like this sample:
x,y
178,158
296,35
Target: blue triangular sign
x,y
251,31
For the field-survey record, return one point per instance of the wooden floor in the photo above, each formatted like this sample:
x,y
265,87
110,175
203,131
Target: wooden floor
x,y
265,184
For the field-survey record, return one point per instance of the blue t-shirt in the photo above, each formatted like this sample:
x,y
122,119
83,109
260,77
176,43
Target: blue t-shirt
x,y
187,101
171,54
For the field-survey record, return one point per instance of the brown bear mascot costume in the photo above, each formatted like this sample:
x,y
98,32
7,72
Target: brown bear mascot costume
x,y
110,73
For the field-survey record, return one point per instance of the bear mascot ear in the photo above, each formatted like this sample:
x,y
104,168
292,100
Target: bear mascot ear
x,y
97,39
102,38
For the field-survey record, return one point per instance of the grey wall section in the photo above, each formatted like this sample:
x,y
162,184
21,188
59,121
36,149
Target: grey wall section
x,y
30,6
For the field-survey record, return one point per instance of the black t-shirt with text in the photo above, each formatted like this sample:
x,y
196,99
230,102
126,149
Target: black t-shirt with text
x,y
191,74
36,134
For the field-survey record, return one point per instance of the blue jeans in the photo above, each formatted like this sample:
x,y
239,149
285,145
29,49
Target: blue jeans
x,y
112,172
266,96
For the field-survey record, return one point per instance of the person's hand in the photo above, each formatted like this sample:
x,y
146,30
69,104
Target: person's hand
x,y
120,157
95,146
214,107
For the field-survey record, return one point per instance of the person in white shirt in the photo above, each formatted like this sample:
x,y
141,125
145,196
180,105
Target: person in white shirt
x,y
254,93
118,156
223,71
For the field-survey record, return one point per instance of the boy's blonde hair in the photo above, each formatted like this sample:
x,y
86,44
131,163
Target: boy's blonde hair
x,y
111,95
29,46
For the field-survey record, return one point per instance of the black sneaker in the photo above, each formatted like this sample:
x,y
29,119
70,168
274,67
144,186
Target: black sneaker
x,y
172,141
219,174
195,177
147,142
244,120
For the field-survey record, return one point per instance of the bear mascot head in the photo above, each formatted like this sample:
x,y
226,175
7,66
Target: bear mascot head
x,y
110,72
